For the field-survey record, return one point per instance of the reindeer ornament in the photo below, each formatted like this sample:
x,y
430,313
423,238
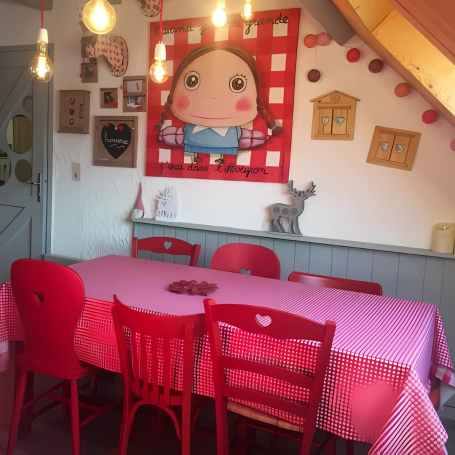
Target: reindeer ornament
x,y
291,212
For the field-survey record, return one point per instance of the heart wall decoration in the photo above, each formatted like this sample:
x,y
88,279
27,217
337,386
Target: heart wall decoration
x,y
116,138
339,120
385,145
399,148
149,8
116,141
325,120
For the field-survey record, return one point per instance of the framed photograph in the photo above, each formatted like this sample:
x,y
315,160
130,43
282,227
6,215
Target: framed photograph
x,y
89,73
135,94
109,98
116,141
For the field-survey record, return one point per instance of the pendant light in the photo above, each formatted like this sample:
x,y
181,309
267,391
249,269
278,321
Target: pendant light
x,y
219,16
158,71
247,11
99,16
41,66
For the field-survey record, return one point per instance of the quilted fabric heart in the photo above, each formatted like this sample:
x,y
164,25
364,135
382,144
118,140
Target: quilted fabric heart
x,y
263,321
385,145
167,245
339,120
399,148
325,120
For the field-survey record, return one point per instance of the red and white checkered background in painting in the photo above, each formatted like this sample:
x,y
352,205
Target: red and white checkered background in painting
x,y
272,41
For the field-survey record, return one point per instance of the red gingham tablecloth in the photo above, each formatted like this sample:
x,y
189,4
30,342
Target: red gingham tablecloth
x,y
377,383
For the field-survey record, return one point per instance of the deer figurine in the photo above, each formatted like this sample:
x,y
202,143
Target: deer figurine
x,y
291,212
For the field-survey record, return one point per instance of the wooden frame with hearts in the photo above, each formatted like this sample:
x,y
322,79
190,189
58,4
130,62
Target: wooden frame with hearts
x,y
116,141
334,116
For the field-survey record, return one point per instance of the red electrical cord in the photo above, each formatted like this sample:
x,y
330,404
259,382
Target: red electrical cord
x,y
42,13
161,22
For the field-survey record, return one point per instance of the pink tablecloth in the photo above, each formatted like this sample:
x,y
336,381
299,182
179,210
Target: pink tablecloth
x,y
384,349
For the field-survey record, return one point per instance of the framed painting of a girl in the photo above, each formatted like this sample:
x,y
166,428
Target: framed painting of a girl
x,y
220,106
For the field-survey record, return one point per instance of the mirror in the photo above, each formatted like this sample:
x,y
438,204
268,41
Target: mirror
x,y
5,168
23,171
19,134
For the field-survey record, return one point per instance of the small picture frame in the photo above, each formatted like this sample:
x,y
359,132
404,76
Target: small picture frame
x,y
89,73
116,141
135,94
109,98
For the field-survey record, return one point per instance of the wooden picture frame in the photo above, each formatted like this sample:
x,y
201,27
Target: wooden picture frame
x,y
89,73
393,148
334,116
74,111
135,94
109,98
116,141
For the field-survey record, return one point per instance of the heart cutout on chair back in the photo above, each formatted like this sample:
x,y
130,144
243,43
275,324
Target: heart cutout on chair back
x,y
245,272
39,298
167,245
263,321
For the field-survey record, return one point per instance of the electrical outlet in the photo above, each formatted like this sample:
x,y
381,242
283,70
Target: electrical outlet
x,y
76,171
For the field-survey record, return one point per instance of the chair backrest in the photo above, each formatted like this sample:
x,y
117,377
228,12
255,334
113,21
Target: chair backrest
x,y
50,299
259,260
336,283
167,245
277,325
147,344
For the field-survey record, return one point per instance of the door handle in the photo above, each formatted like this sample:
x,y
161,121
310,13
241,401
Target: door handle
x,y
38,184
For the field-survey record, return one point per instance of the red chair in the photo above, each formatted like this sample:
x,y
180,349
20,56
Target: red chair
x,y
141,375
167,245
281,326
336,283
259,260
50,299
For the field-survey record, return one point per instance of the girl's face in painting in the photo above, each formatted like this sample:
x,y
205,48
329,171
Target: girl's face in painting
x,y
215,90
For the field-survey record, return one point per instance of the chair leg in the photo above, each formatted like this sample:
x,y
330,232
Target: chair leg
x,y
66,393
222,435
18,403
350,447
331,447
75,425
186,430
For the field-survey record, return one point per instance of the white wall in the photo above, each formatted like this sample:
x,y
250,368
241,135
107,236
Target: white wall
x,y
356,201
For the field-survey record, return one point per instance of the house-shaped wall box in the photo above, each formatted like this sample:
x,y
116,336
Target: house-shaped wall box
x,y
334,116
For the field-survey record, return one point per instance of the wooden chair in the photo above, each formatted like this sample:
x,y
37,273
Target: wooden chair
x,y
336,283
282,326
259,260
167,245
140,373
50,299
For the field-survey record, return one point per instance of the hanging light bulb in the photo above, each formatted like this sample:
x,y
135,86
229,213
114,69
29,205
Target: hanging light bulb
x,y
247,11
219,16
158,71
99,16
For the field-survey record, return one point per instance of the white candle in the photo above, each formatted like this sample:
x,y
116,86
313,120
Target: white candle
x,y
443,238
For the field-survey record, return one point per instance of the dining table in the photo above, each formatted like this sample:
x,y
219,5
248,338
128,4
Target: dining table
x,y
385,356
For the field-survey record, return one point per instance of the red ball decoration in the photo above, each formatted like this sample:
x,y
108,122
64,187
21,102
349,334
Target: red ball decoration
x,y
452,145
324,39
314,75
429,116
402,89
310,41
353,55
376,65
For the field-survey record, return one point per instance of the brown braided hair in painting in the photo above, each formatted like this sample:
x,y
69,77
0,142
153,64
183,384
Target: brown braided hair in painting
x,y
239,52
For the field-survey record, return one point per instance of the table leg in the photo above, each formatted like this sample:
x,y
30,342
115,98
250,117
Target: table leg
x,y
350,447
25,424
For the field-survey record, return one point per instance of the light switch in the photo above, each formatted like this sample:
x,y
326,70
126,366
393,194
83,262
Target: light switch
x,y
76,171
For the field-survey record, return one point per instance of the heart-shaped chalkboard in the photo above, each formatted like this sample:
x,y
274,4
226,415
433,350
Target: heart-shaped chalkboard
x,y
167,245
339,120
116,139
399,148
325,120
245,272
263,321
385,145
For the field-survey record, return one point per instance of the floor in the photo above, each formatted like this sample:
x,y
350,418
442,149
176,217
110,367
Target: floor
x,y
51,432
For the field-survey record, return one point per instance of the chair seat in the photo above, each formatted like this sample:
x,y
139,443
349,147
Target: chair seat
x,y
262,417
31,364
